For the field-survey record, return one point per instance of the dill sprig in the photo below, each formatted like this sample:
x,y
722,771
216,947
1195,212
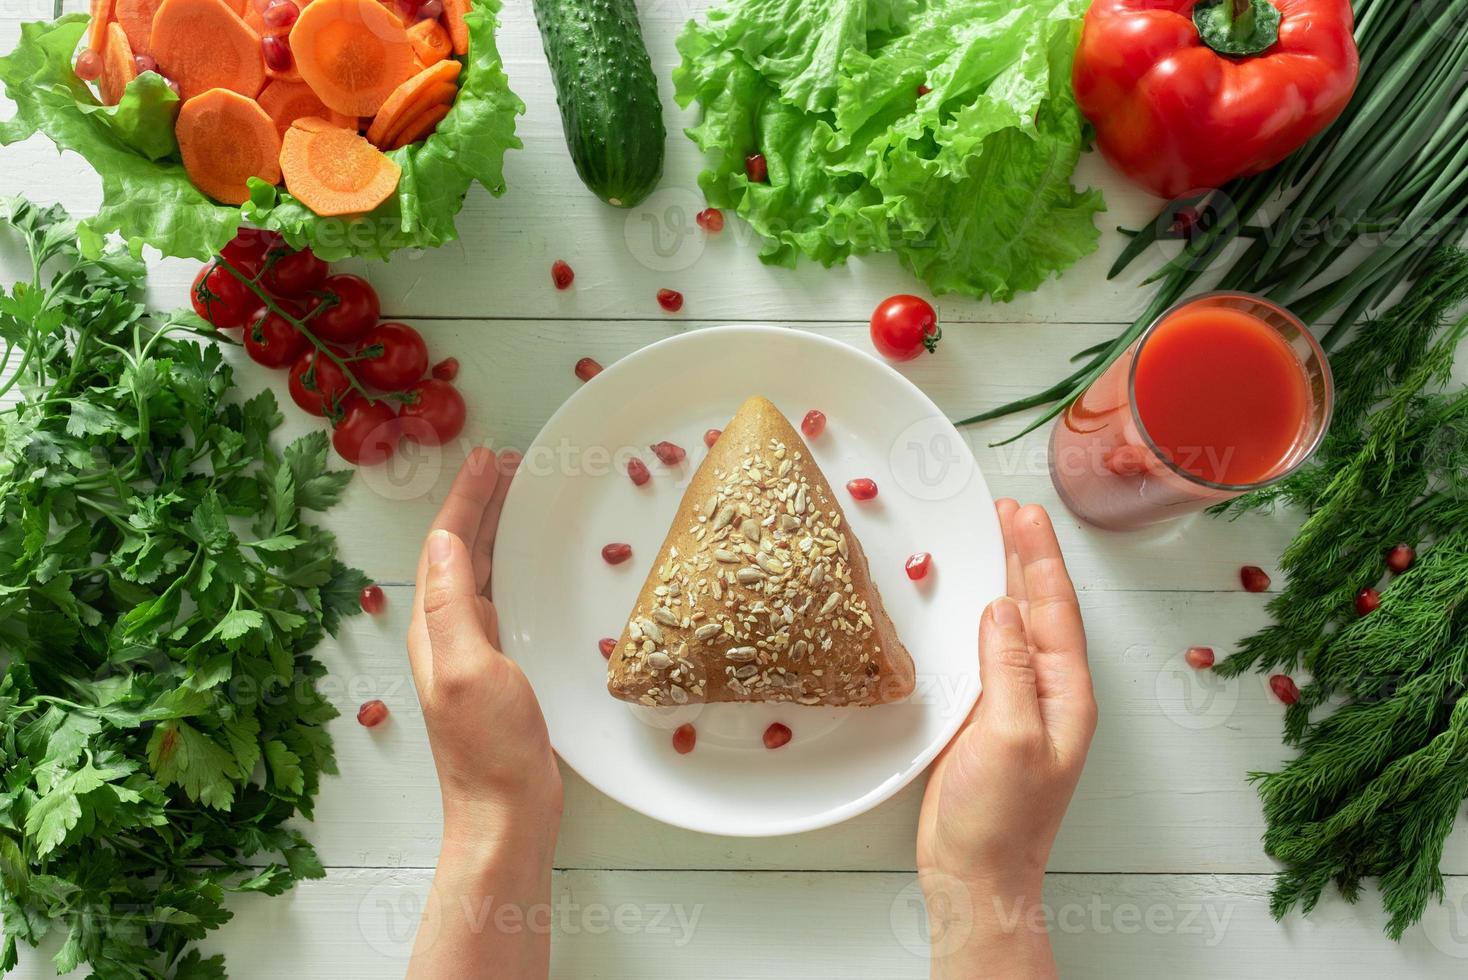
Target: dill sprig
x,y
1382,723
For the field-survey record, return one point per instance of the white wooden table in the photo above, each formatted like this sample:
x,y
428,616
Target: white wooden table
x,y
1158,871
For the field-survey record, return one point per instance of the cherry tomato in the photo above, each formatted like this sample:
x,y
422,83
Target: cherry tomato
x,y
272,341
317,383
367,432
433,414
347,308
293,273
247,250
392,357
903,327
222,299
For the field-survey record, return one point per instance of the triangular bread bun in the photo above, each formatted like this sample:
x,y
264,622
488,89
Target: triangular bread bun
x,y
760,592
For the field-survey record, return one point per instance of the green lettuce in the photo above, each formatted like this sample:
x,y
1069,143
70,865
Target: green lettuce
x,y
149,200
969,183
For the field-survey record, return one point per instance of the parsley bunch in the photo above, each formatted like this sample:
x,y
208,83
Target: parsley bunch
x,y
160,592
1382,726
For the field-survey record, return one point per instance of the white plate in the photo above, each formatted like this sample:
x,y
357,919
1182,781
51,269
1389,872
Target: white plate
x,y
556,597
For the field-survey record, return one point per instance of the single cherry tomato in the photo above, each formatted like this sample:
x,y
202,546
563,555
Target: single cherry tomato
x,y
343,310
367,432
222,299
318,384
904,326
88,65
271,340
433,414
392,357
293,273
1367,602
246,252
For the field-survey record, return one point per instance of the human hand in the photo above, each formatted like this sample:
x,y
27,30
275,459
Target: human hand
x,y
997,794
489,740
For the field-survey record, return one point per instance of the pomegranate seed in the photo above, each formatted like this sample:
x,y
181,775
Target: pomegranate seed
x,y
144,63
89,65
712,436
431,10
562,274
446,369
711,220
776,735
1400,558
608,646
280,13
1367,602
670,454
917,566
371,714
684,738
587,368
756,169
637,469
813,424
1254,579
277,52
1284,688
1200,658
923,90
862,488
670,300
616,553
372,600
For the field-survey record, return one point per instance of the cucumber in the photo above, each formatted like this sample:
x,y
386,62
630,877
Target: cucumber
x,y
607,93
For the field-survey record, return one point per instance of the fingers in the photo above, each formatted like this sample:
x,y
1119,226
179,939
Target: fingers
x,y
453,611
1014,579
1008,671
1056,631
506,463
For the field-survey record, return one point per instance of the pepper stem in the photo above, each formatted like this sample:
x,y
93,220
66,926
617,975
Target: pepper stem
x,y
1237,28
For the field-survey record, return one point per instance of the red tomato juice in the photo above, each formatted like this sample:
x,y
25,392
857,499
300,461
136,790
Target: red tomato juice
x,y
1222,395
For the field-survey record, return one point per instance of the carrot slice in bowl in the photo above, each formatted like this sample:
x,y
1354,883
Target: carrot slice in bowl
x,y
102,12
334,171
453,13
225,139
136,18
118,67
203,44
285,102
420,126
410,97
353,53
430,42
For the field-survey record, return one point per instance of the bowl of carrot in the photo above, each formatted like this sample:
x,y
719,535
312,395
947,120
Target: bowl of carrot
x,y
354,127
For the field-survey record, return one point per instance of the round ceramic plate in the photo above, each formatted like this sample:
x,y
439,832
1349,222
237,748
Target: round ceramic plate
x,y
557,598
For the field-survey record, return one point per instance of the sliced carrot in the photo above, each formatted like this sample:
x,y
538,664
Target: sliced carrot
x,y
203,44
118,67
420,126
352,52
97,29
401,104
430,42
286,102
334,171
453,14
225,139
136,18
238,6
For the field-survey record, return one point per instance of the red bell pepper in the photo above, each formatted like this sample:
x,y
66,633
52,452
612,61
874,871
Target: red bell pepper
x,y
1187,95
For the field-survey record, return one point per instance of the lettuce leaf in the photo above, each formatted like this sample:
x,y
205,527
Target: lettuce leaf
x,y
148,198
969,183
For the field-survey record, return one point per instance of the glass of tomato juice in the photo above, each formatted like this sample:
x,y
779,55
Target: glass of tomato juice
x,y
1224,393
